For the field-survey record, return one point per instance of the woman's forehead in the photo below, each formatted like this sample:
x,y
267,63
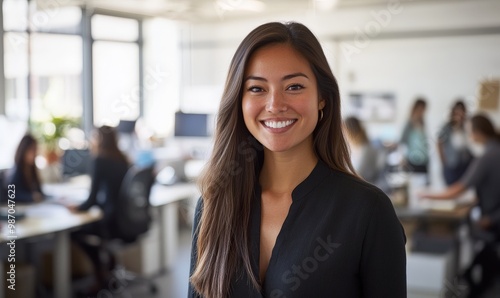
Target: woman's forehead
x,y
276,59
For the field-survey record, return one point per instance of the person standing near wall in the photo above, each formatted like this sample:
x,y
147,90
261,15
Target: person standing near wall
x,y
414,139
452,146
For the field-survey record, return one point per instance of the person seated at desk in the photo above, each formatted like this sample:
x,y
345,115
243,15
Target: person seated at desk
x,y
364,156
24,175
483,175
109,168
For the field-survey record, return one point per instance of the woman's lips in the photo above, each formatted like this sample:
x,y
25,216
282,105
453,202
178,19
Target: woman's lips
x,y
278,125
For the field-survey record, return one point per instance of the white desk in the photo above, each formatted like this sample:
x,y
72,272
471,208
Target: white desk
x,y
166,199
45,219
163,198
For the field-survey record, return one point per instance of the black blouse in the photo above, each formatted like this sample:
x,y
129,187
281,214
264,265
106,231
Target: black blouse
x,y
341,238
24,191
107,177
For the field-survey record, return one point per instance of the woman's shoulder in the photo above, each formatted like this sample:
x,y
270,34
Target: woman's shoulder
x,y
13,175
344,186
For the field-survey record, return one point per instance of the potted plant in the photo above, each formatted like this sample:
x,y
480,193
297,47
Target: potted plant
x,y
50,132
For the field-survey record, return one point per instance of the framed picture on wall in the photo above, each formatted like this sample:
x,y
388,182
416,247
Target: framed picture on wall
x,y
372,106
489,94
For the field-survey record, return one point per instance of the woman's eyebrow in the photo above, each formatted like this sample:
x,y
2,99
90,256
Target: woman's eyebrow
x,y
287,77
294,75
255,78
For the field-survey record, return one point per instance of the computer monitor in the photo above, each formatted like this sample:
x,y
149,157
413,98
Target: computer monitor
x,y
191,125
76,162
126,126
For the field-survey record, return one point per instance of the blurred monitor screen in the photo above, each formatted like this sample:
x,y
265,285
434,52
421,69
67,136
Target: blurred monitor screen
x,y
126,126
76,162
191,125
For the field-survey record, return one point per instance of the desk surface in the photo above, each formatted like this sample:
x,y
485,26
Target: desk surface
x,y
46,218
457,214
76,191
166,194
50,217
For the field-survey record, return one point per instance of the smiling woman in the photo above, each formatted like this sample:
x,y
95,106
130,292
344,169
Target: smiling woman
x,y
280,99
282,213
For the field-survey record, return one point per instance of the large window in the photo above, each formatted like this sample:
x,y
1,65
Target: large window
x,y
43,60
56,67
16,75
116,81
53,67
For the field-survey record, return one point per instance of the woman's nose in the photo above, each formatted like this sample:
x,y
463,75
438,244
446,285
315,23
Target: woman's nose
x,y
276,102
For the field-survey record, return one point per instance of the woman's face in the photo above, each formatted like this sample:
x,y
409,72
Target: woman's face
x,y
419,112
30,156
280,98
458,115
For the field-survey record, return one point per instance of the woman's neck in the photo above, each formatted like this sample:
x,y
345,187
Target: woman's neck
x,y
283,171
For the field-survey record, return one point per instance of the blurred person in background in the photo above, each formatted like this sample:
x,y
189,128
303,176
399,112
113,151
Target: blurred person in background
x,y
364,156
108,170
24,174
452,146
482,174
414,139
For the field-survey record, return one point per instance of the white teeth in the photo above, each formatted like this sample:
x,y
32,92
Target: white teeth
x,y
278,124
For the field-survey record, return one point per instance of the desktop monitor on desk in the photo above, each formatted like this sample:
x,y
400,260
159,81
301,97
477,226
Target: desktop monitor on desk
x,y
76,162
126,126
191,125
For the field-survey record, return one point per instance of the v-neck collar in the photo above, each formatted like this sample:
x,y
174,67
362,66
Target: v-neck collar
x,y
317,175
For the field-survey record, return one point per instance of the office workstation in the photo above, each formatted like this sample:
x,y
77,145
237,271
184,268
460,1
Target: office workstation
x,y
419,96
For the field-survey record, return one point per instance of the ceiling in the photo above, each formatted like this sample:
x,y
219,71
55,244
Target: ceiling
x,y
214,10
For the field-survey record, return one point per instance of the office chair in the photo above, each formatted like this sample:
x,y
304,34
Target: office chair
x,y
132,219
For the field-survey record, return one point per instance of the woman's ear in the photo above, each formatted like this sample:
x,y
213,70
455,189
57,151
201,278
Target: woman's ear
x,y
321,104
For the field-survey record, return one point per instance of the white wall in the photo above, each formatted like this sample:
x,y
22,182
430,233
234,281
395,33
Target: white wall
x,y
162,74
440,68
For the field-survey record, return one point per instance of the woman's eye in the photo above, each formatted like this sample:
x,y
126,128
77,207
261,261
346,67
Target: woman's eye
x,y
295,87
254,89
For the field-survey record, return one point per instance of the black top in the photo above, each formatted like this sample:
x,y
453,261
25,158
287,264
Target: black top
x,y
341,238
107,176
24,191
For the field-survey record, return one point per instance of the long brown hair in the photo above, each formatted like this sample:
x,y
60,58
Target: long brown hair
x,y
30,173
227,184
355,130
482,124
107,144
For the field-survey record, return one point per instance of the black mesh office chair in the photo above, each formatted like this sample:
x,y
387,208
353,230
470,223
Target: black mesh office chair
x,y
132,219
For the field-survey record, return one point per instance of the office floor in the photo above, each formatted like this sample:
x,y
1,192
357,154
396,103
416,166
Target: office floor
x,y
174,283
